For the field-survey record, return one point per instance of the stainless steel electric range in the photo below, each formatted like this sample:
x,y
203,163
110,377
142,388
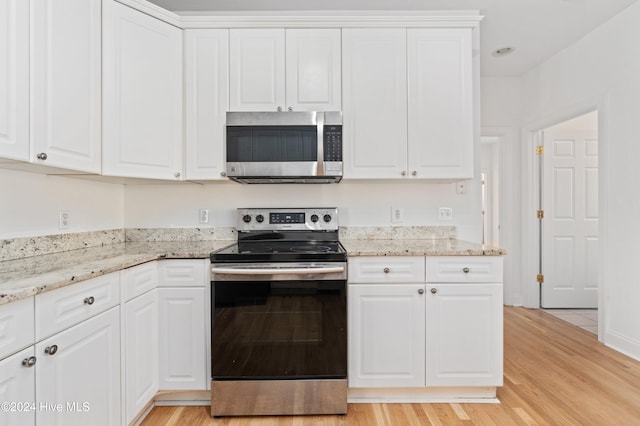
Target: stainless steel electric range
x,y
279,315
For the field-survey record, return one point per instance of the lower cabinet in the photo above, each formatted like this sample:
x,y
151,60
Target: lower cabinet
x,y
140,353
183,362
78,373
422,333
386,335
17,388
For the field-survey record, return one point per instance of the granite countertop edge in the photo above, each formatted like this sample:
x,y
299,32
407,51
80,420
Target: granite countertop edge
x,y
22,278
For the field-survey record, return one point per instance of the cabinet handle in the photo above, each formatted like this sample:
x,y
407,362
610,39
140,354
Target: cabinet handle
x,y
177,175
290,109
421,291
29,362
42,156
89,300
465,270
51,350
223,174
386,270
434,290
404,173
279,108
414,173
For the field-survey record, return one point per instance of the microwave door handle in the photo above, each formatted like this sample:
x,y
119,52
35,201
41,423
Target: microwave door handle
x,y
320,159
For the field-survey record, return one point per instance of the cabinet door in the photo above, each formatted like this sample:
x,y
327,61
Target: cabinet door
x,y
256,69
14,79
83,374
183,362
141,352
17,326
206,85
386,335
66,83
440,103
142,82
17,385
375,103
313,70
464,334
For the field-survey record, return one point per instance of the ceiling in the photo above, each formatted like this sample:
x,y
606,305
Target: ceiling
x,y
536,29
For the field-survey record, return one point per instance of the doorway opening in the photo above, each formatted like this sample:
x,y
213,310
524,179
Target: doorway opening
x,y
568,214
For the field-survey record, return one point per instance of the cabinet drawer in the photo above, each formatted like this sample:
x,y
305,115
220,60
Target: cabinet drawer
x,y
62,308
183,273
383,269
139,279
464,269
16,326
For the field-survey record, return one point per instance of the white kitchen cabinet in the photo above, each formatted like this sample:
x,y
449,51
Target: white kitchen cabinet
x,y
14,79
183,353
440,99
141,353
206,101
79,368
66,83
464,334
138,280
374,81
277,69
386,335
17,329
142,87
18,388
408,103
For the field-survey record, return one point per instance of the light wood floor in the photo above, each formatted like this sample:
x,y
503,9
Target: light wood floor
x,y
554,374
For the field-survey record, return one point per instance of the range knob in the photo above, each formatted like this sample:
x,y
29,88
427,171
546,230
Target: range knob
x,y
246,218
327,218
314,218
259,218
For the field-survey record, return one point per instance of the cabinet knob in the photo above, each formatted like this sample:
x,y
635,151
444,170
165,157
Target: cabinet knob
x,y
42,156
223,174
386,270
414,173
465,270
279,108
51,350
177,175
404,173
421,291
29,362
290,109
434,290
89,300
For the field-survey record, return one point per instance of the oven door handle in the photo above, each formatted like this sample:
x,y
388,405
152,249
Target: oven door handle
x,y
277,271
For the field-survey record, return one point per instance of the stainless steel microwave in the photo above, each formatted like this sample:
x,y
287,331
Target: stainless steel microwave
x,y
284,147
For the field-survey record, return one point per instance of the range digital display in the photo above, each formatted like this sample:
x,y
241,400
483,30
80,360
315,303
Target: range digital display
x,y
277,218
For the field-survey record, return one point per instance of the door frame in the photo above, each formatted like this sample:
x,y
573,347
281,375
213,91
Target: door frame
x,y
530,188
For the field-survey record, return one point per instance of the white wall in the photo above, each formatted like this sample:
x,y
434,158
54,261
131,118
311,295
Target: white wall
x,y
30,204
602,70
360,203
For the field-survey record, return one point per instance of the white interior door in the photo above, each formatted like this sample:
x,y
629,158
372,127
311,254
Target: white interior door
x,y
570,224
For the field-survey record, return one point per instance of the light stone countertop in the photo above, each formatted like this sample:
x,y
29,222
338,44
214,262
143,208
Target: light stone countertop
x,y
29,276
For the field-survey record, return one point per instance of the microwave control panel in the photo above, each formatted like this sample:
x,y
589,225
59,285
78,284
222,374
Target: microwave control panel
x,y
332,142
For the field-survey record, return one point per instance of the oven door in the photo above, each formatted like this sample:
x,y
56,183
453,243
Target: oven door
x,y
290,327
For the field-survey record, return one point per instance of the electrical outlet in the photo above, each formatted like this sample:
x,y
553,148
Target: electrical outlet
x,y
397,215
203,216
461,188
64,220
445,213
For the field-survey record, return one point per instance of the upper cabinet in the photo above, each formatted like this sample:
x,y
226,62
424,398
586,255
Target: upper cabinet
x,y
375,103
65,83
206,101
14,79
440,119
408,103
142,86
279,70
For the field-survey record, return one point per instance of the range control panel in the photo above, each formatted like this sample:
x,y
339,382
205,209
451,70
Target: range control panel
x,y
289,219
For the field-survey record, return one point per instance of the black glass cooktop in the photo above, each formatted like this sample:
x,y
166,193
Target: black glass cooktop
x,y
281,251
